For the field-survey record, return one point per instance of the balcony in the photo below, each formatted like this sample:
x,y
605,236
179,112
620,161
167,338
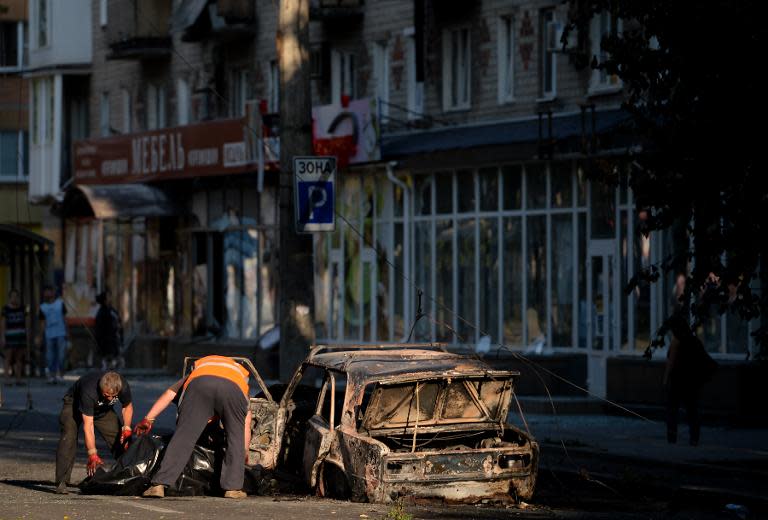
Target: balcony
x,y
224,20
138,29
330,10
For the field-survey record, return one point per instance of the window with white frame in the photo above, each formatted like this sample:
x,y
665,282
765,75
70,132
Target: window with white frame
x,y
104,127
273,100
415,88
13,156
127,106
11,46
506,59
602,24
496,246
381,77
182,102
547,55
41,114
343,76
42,22
456,69
155,107
103,13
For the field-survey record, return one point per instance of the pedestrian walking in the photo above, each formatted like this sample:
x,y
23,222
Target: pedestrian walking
x,y
14,334
108,331
688,368
90,402
217,386
52,322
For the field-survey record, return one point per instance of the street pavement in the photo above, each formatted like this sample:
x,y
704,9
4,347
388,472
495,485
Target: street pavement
x,y
593,466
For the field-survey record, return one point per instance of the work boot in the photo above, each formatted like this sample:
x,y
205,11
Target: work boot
x,y
61,489
235,493
157,491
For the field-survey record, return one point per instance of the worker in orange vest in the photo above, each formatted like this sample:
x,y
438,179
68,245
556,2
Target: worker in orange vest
x,y
217,385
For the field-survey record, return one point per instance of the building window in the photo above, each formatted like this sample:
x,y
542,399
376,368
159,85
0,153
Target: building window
x,y
103,13
155,110
415,88
182,102
42,23
11,45
381,78
273,105
506,54
104,126
602,25
13,157
41,114
342,76
127,112
456,69
496,246
238,80
547,56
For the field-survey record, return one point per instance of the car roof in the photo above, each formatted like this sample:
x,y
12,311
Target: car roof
x,y
402,364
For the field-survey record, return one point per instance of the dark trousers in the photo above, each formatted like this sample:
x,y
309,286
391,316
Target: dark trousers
x,y
70,420
688,397
205,397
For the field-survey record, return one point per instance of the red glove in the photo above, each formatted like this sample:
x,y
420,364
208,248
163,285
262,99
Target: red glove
x,y
125,437
143,427
94,461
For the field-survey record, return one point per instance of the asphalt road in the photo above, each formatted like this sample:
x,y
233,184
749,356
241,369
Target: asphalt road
x,y
27,448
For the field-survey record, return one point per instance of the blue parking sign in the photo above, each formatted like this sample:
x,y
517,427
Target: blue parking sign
x,y
314,179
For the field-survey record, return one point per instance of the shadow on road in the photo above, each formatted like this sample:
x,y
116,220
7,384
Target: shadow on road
x,y
46,486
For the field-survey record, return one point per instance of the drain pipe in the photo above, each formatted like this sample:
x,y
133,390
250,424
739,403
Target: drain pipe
x,y
391,165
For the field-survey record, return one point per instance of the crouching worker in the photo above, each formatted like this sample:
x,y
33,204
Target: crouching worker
x,y
89,401
218,386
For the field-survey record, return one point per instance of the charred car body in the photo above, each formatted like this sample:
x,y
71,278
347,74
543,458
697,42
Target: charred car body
x,y
413,420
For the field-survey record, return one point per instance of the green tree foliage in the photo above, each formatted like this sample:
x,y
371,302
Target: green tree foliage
x,y
689,72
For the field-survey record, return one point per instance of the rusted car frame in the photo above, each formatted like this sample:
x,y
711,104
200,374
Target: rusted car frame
x,y
413,420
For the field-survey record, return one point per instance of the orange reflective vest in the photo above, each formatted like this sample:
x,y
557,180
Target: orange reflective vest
x,y
220,366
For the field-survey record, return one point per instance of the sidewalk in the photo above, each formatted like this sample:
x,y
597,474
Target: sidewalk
x,y
730,465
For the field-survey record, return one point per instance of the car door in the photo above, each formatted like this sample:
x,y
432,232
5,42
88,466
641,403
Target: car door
x,y
320,431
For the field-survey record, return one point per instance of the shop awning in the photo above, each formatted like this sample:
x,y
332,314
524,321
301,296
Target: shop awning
x,y
502,133
16,234
186,14
117,201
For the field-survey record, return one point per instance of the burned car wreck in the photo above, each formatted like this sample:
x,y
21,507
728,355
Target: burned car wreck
x,y
387,421
415,421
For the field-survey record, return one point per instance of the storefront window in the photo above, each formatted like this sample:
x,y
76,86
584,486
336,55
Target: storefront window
x,y
444,234
518,268
536,263
489,279
466,282
562,277
513,278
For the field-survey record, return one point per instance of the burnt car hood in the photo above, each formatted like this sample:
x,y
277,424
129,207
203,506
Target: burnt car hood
x,y
433,404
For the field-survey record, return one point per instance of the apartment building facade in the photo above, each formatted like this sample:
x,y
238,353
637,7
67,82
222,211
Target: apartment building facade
x,y
23,251
477,209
